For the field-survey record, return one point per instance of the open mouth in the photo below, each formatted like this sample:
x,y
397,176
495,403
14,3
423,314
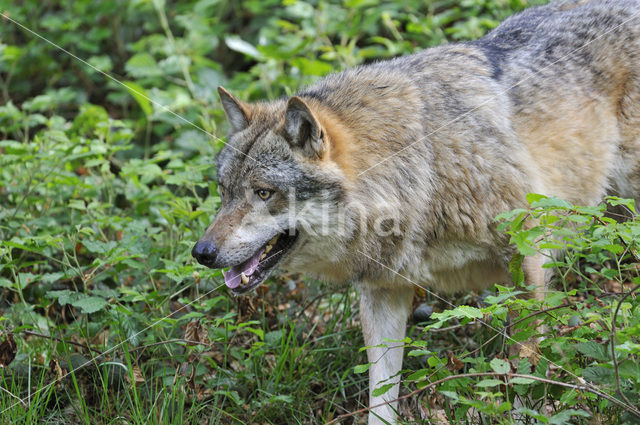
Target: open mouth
x,y
248,275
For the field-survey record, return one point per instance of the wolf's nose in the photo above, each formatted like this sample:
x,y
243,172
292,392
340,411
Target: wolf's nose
x,y
205,252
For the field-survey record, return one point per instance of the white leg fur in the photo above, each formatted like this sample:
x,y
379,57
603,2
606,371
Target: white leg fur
x,y
384,313
535,274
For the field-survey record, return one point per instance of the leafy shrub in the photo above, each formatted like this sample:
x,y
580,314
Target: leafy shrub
x,y
573,354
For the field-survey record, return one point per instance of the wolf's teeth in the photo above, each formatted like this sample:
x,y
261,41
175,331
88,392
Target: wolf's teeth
x,y
268,248
244,278
263,256
274,240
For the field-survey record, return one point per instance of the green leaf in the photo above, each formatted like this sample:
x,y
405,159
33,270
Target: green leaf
x,y
418,352
515,268
142,65
361,368
140,95
551,202
64,296
523,240
534,197
500,366
381,390
90,305
233,395
11,53
565,416
418,375
281,398
598,374
237,44
629,203
312,67
629,369
579,218
461,311
521,381
594,350
534,414
489,383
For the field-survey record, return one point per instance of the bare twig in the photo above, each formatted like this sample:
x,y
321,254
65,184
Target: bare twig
x,y
170,341
77,344
536,313
14,396
448,328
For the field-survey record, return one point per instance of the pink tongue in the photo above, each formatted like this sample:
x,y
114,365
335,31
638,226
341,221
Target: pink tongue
x,y
232,276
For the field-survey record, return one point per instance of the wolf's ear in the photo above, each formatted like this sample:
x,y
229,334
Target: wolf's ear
x,y
236,110
303,128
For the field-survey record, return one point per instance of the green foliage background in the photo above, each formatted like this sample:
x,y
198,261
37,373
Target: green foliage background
x,y
107,181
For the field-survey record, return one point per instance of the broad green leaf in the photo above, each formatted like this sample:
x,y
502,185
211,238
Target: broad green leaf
x,y
629,203
564,417
521,381
361,368
237,44
499,365
90,304
534,414
381,390
534,197
312,67
64,296
597,374
143,65
594,350
489,383
551,202
140,95
418,375
462,311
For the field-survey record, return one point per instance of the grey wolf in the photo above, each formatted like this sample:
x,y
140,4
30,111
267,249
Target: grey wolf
x,y
394,171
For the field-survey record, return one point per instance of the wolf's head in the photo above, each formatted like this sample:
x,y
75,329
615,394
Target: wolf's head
x,y
274,166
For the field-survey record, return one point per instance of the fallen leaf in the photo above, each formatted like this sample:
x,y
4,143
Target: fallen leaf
x,y
531,351
54,366
613,286
137,376
453,363
8,350
194,333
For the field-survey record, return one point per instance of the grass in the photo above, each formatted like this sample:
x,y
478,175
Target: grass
x,y
285,365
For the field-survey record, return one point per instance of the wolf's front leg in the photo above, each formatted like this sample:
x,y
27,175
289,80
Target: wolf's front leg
x,y
384,313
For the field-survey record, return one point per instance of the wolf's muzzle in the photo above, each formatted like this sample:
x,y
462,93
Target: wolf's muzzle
x,y
205,252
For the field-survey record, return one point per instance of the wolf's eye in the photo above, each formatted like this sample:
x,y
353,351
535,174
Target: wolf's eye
x,y
221,191
264,194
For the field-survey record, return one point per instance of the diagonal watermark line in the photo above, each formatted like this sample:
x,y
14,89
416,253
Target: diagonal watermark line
x,y
582,382
5,15
88,362
492,98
